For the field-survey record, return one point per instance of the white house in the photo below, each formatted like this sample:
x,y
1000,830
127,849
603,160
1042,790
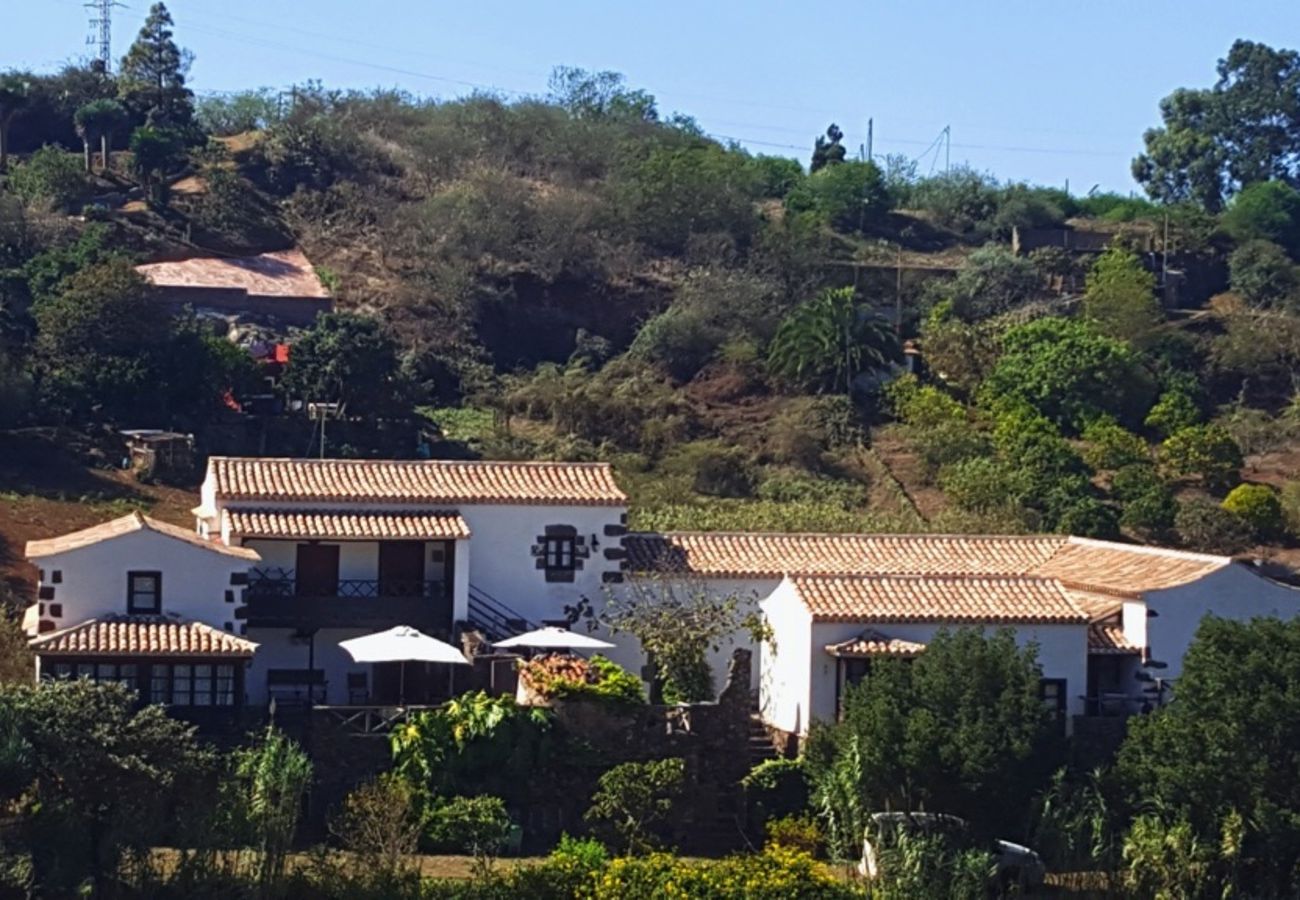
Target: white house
x,y
145,603
314,552
291,556
1111,621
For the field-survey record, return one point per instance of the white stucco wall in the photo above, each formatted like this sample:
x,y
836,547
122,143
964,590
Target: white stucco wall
x,y
499,558
1233,592
1062,653
94,578
786,665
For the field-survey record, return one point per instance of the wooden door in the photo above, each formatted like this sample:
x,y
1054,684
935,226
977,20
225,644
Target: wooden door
x,y
401,568
317,570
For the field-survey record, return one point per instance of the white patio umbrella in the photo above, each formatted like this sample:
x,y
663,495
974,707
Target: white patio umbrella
x,y
402,644
552,637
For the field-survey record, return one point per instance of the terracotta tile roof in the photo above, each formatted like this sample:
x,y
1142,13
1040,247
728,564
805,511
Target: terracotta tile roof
x,y
425,481
129,524
1097,606
1107,639
1090,566
873,643
141,636
285,273
322,524
1127,570
757,555
983,599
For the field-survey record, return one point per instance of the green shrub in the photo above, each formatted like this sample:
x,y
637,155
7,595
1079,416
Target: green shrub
x,y
1258,505
849,195
50,176
1207,452
1174,411
1262,273
1135,480
1111,446
714,468
779,786
801,487
1207,526
801,833
1266,211
1290,500
475,825
778,873
983,484
1088,517
609,682
1151,513
633,800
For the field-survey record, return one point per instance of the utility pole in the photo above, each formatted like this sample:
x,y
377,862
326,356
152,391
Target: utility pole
x,y
101,31
870,128
947,148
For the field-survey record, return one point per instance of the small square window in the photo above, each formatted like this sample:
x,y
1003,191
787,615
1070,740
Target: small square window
x,y
559,553
57,576
144,592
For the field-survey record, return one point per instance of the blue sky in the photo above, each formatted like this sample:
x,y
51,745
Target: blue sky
x,y
1044,91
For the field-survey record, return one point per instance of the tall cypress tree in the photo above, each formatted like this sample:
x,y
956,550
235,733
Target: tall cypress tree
x,y
152,77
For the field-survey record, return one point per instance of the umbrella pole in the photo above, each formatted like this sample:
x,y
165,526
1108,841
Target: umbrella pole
x,y
401,684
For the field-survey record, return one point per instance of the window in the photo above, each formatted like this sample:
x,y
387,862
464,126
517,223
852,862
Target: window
x,y
125,674
144,592
559,554
1052,692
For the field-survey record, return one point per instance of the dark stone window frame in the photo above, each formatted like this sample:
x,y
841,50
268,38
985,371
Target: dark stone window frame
x,y
133,606
559,552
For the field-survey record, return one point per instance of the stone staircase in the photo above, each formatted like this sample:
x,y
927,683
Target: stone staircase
x,y
760,744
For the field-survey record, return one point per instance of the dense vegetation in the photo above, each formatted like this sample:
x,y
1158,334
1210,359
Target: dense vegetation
x,y
583,276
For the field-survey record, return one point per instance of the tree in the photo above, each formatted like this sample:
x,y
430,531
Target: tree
x,y
849,195
993,281
1263,275
1067,372
634,798
1207,452
1258,505
151,78
1266,211
154,153
15,91
97,339
678,624
828,150
106,774
961,730
1120,297
1174,411
1244,129
50,177
270,779
226,115
97,121
1227,746
829,340
1206,526
600,96
348,359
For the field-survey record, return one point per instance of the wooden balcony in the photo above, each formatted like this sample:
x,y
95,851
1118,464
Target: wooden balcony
x,y
276,601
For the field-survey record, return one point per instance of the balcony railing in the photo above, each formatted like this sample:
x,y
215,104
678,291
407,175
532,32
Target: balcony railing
x,y
275,600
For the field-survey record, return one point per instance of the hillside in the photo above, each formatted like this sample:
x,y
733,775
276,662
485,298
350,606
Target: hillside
x,y
582,277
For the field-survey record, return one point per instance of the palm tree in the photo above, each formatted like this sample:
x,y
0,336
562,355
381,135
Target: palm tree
x,y
14,95
829,340
99,119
